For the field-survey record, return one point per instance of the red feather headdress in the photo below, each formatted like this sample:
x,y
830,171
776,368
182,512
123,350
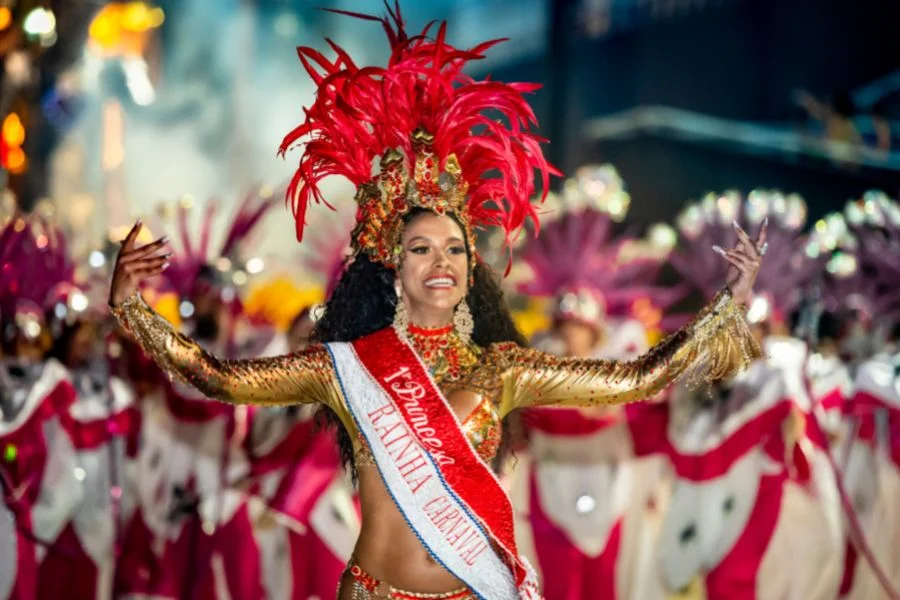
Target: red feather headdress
x,y
446,142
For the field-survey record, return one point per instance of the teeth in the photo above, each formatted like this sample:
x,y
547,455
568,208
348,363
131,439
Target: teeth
x,y
440,282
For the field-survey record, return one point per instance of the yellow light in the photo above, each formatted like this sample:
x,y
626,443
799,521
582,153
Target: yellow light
x,y
13,130
134,17
255,266
16,161
223,264
139,17
155,18
78,302
663,236
102,29
279,300
117,234
5,17
123,28
167,307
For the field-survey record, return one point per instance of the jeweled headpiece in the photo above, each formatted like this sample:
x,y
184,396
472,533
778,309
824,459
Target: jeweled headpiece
x,y
446,142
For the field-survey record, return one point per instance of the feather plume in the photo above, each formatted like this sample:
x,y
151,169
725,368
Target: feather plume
x,y
787,270
579,250
862,247
362,112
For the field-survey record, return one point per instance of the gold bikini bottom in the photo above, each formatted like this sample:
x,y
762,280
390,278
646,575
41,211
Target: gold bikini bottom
x,y
366,587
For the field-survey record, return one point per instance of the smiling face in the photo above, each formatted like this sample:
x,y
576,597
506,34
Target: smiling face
x,y
433,270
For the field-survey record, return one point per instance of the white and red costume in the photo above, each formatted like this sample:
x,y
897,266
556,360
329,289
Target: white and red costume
x,y
40,489
82,562
753,485
592,487
729,477
873,474
311,518
586,493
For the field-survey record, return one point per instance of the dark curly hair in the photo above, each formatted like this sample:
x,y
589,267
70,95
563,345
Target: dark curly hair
x,y
364,301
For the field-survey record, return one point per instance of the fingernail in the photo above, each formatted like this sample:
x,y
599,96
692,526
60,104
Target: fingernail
x,y
139,222
165,265
736,226
765,221
164,239
718,250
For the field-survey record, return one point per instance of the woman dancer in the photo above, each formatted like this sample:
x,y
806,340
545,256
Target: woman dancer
x,y
417,356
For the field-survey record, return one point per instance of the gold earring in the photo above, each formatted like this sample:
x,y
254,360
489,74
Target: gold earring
x,y
463,322
401,314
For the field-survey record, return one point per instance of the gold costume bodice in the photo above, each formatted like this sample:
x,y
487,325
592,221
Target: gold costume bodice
x,y
497,379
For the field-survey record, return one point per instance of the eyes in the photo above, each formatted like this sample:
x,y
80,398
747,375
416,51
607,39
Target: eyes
x,y
452,250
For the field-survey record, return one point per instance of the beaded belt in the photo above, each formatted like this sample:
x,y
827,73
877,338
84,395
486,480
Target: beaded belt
x,y
366,587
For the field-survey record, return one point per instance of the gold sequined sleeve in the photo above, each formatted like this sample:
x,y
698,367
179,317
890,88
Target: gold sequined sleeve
x,y
715,345
303,377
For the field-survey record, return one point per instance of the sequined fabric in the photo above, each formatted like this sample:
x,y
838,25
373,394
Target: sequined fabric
x,y
483,429
366,587
715,345
289,379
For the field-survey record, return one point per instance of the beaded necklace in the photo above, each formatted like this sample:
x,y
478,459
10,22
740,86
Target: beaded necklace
x,y
446,355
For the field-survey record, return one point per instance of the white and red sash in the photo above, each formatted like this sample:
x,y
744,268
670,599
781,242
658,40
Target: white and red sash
x,y
450,498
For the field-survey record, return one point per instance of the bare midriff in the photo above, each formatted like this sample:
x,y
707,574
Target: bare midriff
x,y
387,548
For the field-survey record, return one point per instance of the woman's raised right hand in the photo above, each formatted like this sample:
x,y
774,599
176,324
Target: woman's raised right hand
x,y
133,265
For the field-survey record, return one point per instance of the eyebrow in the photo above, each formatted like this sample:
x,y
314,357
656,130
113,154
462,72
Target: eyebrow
x,y
426,239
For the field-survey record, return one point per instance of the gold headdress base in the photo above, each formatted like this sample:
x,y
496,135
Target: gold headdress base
x,y
391,195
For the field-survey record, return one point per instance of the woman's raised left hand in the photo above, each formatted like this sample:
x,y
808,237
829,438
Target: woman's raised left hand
x,y
745,258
